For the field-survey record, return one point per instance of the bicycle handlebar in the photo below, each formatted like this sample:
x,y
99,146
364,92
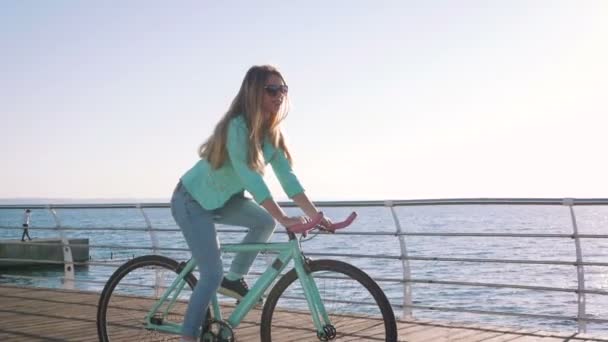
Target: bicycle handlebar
x,y
304,228
339,225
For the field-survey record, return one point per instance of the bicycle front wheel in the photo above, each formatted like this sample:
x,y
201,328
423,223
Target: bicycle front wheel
x,y
358,308
132,291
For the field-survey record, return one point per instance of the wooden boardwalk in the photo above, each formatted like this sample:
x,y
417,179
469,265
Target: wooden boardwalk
x,y
35,314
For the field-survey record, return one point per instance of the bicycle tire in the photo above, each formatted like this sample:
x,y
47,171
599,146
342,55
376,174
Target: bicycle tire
x,y
116,298
377,324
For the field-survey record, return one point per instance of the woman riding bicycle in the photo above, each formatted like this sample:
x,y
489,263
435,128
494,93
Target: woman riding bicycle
x,y
231,161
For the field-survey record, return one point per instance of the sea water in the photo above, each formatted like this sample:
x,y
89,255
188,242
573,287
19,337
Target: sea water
x,y
485,219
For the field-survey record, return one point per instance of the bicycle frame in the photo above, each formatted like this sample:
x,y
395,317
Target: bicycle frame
x,y
288,251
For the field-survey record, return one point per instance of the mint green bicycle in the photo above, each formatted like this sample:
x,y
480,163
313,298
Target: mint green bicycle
x,y
332,301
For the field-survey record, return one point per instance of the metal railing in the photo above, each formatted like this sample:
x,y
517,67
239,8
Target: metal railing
x,y
406,280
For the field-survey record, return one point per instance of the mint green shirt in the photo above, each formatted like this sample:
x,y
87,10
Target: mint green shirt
x,y
211,188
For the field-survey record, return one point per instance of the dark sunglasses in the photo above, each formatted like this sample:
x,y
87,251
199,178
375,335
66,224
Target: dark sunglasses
x,y
274,89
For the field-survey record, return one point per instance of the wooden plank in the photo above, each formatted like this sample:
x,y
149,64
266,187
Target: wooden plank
x,y
34,314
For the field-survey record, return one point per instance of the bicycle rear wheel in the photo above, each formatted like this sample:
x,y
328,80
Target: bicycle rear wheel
x,y
357,306
128,297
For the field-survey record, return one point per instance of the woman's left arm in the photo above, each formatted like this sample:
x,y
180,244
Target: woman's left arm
x,y
305,204
309,208
292,186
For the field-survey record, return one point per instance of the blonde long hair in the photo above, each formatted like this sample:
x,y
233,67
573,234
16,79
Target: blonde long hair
x,y
248,102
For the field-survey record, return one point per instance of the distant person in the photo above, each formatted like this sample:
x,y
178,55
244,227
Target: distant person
x,y
26,225
232,160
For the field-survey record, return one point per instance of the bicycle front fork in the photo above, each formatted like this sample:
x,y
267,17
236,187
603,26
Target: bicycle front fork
x,y
325,330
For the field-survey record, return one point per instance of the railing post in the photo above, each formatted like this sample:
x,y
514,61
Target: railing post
x,y
405,264
580,270
68,260
154,239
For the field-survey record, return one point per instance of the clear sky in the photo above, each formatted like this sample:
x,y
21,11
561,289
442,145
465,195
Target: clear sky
x,y
390,99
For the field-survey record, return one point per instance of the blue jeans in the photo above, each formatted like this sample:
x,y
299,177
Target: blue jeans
x,y
198,226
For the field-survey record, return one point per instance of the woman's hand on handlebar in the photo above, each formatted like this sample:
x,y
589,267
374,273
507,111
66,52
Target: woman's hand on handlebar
x,y
288,221
326,223
318,221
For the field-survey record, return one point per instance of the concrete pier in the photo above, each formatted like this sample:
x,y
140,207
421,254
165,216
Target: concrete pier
x,y
40,252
